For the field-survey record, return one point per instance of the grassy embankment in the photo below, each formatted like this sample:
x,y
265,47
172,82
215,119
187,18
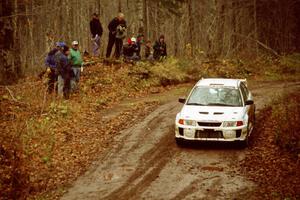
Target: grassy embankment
x,y
47,142
273,158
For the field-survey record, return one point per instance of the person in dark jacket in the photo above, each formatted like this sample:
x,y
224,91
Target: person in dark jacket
x,y
51,66
96,31
117,32
131,50
148,50
65,72
160,48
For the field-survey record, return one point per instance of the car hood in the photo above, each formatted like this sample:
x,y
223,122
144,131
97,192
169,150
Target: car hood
x,y
212,113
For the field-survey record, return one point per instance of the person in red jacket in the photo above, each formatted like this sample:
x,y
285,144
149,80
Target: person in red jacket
x,y
131,50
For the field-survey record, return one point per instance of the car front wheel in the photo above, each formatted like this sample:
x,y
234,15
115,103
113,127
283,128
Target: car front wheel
x,y
245,143
180,142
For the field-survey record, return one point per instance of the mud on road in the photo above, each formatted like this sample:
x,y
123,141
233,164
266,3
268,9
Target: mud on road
x,y
144,161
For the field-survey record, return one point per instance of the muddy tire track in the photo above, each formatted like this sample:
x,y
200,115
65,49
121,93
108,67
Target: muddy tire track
x,y
150,165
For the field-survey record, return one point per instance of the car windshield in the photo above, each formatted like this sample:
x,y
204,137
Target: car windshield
x,y
215,96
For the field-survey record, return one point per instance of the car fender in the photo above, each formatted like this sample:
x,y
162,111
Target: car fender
x,y
177,117
246,117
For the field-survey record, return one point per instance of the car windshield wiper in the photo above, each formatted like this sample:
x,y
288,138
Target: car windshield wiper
x,y
218,104
233,105
195,104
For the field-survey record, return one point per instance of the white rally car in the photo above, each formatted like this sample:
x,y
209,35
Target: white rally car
x,y
216,110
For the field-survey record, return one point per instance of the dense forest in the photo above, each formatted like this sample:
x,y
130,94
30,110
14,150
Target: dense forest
x,y
192,27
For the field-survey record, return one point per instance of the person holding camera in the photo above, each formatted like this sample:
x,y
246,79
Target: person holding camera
x,y
117,32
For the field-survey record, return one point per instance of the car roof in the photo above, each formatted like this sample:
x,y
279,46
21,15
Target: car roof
x,y
219,82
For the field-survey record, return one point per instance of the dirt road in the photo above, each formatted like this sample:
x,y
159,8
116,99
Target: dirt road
x,y
145,163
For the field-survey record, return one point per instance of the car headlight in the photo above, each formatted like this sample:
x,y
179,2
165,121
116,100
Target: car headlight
x,y
229,124
190,122
187,122
232,123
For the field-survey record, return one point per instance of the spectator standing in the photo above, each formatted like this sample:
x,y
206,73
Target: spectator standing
x,y
160,48
65,72
51,66
96,31
117,32
76,62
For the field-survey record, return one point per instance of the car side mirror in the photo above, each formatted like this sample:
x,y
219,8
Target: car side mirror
x,y
249,102
181,100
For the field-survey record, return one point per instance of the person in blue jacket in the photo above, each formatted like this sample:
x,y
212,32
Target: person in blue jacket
x,y
51,66
64,71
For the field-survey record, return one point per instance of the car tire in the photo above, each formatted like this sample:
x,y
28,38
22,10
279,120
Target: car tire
x,y
245,143
180,142
254,120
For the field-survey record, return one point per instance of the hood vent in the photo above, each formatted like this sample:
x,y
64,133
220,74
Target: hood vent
x,y
218,113
203,113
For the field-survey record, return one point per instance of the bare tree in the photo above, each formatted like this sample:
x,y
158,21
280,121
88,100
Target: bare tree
x,y
9,49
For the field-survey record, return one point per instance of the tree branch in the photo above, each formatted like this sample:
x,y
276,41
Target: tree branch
x,y
258,42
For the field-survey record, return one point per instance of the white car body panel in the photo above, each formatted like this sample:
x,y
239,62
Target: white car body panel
x,y
230,113
206,116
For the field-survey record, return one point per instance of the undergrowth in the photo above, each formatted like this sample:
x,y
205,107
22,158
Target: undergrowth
x,y
173,71
285,117
38,139
272,160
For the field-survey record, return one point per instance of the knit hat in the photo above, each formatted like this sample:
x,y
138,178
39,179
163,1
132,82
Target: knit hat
x,y
60,44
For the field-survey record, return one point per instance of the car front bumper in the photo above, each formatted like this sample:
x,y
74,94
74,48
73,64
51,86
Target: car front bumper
x,y
226,134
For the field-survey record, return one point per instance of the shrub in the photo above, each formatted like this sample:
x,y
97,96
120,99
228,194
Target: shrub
x,y
285,117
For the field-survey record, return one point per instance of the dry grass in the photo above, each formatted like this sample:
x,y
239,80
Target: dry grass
x,y
47,142
285,117
272,160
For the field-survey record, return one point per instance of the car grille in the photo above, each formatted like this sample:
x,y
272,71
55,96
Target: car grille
x,y
208,134
210,124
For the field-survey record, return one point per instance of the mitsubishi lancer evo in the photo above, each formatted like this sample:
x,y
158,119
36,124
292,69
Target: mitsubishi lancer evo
x,y
216,110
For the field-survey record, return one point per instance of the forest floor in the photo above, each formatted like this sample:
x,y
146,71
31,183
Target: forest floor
x,y
118,128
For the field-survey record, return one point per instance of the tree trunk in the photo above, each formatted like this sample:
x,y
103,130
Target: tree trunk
x,y
9,55
255,25
191,25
